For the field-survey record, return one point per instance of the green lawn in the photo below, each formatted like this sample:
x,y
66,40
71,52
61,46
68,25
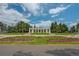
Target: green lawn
x,y
55,33
12,33
64,34
32,40
40,34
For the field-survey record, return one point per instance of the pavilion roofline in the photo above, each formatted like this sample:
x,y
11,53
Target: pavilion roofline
x,y
39,28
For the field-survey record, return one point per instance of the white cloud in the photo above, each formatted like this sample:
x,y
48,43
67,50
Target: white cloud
x,y
58,9
72,24
34,8
3,6
54,15
61,19
44,24
10,16
28,15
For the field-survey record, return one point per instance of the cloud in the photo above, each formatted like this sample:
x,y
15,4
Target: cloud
x,y
61,19
10,16
72,24
34,8
28,15
3,6
54,15
57,10
44,24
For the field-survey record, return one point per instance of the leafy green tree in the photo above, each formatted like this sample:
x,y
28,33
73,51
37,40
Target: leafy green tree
x,y
2,27
22,27
55,27
58,28
64,28
52,27
77,27
73,29
11,29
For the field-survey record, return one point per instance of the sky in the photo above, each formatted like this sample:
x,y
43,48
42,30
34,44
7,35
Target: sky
x,y
39,14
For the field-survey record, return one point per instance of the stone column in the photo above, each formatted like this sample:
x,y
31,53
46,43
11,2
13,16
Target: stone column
x,y
38,30
43,30
29,30
32,30
46,31
49,31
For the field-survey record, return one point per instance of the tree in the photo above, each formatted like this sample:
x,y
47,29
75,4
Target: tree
x,y
11,29
22,26
54,27
2,27
19,27
64,28
58,28
73,29
77,27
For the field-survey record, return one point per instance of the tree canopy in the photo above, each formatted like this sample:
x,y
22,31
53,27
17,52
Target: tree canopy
x,y
58,28
55,27
19,27
2,27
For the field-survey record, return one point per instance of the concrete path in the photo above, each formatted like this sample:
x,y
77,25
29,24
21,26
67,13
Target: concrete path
x,y
39,50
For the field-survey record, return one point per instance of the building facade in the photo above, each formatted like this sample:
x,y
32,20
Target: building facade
x,y
39,30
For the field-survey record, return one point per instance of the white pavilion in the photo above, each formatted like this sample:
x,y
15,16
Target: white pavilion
x,y
39,30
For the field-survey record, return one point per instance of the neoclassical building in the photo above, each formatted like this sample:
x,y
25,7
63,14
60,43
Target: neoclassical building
x,y
39,30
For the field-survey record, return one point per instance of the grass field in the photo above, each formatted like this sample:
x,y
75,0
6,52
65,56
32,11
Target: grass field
x,y
34,40
65,33
12,33
51,34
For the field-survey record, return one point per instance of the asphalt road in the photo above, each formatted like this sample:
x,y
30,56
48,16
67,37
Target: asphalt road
x,y
39,50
